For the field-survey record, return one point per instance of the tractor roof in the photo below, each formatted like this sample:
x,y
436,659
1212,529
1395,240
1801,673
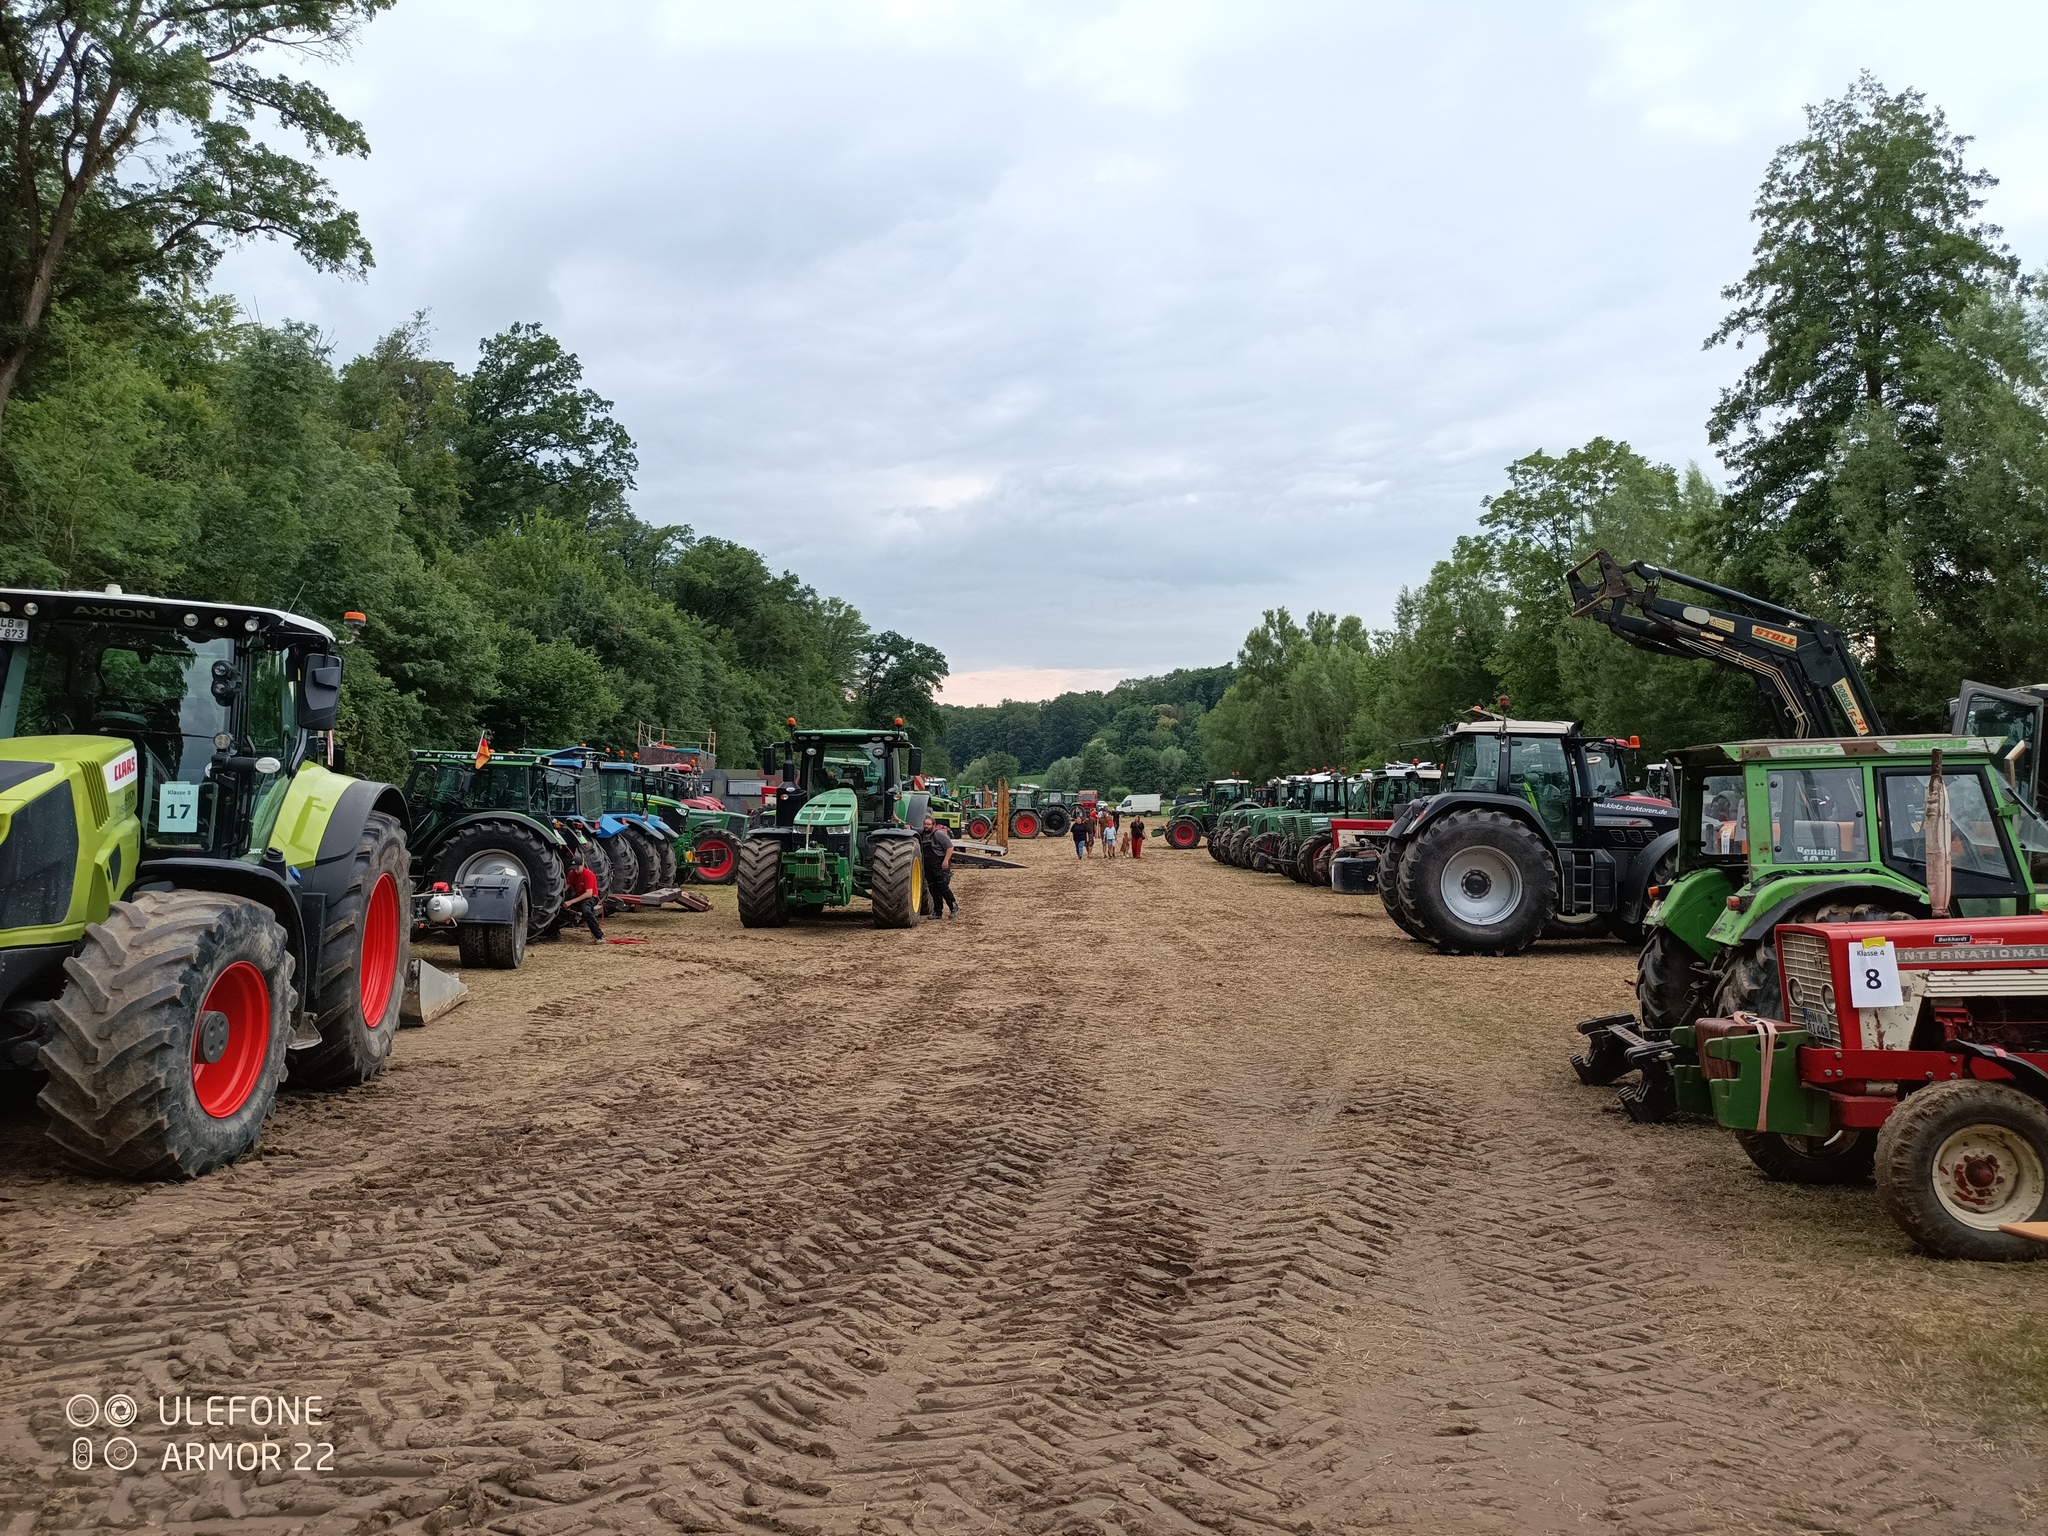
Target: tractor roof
x,y
852,734
1839,748
466,757
168,612
1517,728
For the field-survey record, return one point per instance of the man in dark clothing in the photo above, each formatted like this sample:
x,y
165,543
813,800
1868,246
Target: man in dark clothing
x,y
938,867
584,904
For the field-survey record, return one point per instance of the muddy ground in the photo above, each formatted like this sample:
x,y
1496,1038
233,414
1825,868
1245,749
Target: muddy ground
x,y
1155,1198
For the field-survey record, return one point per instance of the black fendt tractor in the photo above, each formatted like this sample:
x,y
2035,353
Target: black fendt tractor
x,y
1534,834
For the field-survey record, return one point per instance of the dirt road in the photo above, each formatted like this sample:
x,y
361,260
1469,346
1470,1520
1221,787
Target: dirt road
x,y
1155,1198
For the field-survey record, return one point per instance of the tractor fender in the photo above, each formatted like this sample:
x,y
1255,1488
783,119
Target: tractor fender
x,y
1762,920
1635,901
261,883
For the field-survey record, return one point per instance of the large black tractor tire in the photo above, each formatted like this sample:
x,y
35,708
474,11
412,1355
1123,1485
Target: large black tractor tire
x,y
1579,925
1265,847
494,946
1390,890
517,846
1479,883
1957,1160
365,953
171,1035
759,879
1674,986
1843,1158
896,882
625,860
979,825
598,861
1184,832
646,859
718,859
1661,876
1320,855
665,874
1289,861
1055,821
1024,824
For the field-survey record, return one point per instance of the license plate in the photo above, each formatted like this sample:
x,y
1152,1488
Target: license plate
x,y
13,629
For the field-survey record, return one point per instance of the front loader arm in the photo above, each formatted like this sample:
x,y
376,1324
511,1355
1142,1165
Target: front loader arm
x,y
1801,665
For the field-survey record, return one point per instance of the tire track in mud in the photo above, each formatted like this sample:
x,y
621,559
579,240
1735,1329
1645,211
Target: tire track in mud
x,y
969,1240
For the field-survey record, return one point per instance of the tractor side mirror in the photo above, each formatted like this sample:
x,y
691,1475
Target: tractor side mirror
x,y
916,761
320,693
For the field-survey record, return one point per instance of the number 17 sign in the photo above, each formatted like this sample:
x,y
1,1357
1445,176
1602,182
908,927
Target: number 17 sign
x,y
1874,974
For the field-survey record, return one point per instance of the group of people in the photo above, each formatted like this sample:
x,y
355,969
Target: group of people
x,y
1099,829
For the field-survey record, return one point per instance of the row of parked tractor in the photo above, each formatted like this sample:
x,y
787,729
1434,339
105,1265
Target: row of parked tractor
x,y
199,903
1842,952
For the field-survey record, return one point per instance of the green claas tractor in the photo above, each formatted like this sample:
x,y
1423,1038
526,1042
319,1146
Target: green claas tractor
x,y
186,893
844,813
1194,816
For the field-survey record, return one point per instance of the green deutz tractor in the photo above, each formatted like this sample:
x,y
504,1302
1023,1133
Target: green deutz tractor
x,y
186,893
1195,816
844,812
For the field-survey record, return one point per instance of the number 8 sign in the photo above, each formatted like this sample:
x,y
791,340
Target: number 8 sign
x,y
1874,974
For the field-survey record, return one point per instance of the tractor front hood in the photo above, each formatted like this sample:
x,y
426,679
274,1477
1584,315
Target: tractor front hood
x,y
835,809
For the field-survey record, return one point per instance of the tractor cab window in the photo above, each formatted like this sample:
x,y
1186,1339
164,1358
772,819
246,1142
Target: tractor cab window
x,y
619,791
1817,816
2031,833
432,785
1326,796
564,793
1724,816
1605,775
1475,762
181,698
1539,771
859,770
1976,851
507,787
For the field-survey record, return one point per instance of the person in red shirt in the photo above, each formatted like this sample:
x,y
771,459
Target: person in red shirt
x,y
583,902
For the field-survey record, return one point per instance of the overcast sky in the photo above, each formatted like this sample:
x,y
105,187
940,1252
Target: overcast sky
x,y
1069,337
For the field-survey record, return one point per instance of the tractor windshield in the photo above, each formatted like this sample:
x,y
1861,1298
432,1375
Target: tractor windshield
x,y
212,720
1605,775
1475,762
621,791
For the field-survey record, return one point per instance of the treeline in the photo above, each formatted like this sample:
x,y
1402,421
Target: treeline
x,y
1887,458
480,520
151,437
1144,734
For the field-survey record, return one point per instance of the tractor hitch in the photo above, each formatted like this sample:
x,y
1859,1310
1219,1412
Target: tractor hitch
x,y
1615,1047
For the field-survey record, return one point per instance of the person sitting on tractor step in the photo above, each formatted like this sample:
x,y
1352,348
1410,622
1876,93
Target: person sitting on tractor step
x,y
937,847
1137,838
584,904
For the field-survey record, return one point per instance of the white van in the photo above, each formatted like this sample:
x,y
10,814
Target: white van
x,y
1139,805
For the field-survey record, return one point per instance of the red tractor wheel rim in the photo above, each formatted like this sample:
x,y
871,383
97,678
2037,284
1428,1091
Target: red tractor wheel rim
x,y
977,829
1027,824
1184,836
224,1086
714,858
379,969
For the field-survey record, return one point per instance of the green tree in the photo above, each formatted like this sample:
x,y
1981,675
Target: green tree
x,y
987,771
1869,254
534,439
896,677
131,161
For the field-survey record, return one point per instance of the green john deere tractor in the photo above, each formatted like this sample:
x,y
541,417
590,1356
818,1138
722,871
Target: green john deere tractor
x,y
844,814
186,893
504,818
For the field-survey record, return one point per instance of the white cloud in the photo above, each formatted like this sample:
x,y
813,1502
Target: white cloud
x,y
1141,316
